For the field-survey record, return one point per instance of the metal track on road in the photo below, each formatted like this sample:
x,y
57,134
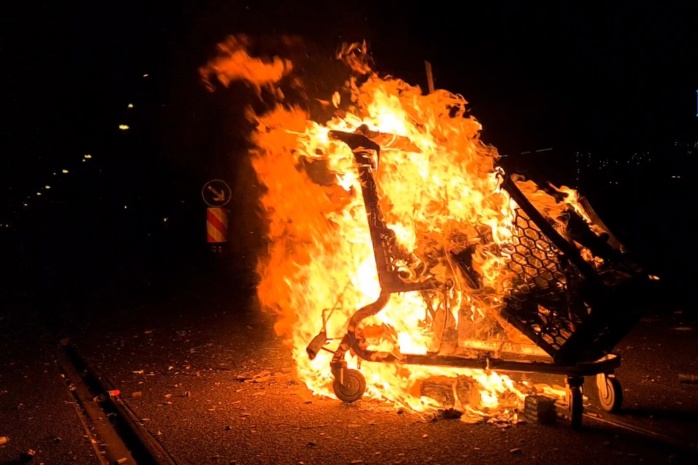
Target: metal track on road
x,y
642,431
126,440
94,419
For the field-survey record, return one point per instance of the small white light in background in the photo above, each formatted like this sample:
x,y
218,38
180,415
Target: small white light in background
x,y
130,105
87,155
65,171
145,75
38,193
125,207
124,127
164,220
47,187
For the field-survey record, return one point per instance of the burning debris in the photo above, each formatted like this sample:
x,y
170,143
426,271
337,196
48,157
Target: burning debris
x,y
398,247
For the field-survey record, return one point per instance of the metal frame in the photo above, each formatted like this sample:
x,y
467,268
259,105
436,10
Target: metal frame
x,y
386,251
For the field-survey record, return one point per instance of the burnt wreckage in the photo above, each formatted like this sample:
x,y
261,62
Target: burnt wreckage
x,y
574,310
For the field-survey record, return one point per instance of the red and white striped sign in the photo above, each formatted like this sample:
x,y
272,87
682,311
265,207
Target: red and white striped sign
x,y
216,225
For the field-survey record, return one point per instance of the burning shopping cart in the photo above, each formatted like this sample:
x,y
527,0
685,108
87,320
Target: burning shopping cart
x,y
567,305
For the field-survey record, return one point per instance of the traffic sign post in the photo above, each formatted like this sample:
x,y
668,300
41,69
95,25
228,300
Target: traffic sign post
x,y
216,195
216,227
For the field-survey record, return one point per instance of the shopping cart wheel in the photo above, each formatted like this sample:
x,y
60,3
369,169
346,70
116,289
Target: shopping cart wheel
x,y
352,388
610,392
576,400
576,406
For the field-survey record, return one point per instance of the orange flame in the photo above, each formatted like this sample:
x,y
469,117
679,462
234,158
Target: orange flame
x,y
440,192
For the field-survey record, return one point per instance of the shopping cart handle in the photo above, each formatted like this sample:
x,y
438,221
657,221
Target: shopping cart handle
x,y
359,145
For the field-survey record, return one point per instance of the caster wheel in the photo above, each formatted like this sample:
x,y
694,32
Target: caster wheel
x,y
576,406
353,387
610,393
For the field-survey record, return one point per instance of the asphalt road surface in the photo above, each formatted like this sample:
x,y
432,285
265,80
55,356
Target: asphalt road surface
x,y
202,372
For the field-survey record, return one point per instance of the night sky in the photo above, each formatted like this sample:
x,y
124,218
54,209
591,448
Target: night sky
x,y
617,77
534,72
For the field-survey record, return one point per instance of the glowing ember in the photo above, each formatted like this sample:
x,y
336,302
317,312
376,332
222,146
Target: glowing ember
x,y
440,193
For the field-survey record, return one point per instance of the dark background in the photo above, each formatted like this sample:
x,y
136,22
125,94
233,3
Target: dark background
x,y
598,84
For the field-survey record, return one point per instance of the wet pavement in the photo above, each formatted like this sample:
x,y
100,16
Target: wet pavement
x,y
204,374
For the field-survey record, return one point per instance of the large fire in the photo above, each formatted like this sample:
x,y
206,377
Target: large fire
x,y
440,193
